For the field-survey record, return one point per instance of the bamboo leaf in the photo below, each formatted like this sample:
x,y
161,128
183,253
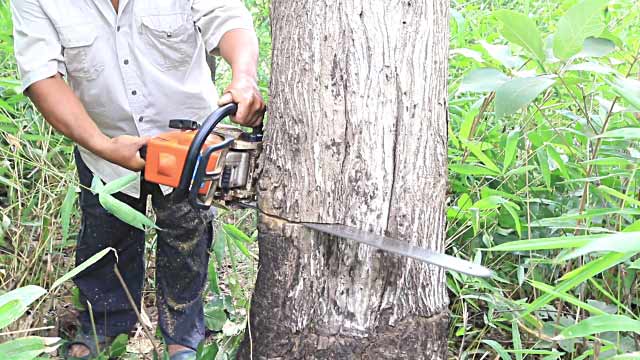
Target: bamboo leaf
x,y
80,268
621,134
551,243
511,149
219,246
627,89
499,349
567,297
579,276
473,170
599,324
65,211
120,183
126,213
624,242
16,302
476,150
628,199
27,348
543,162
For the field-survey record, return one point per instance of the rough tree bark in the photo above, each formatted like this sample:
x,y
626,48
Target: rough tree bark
x,y
358,136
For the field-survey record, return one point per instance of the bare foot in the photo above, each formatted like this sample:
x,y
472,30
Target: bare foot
x,y
176,348
79,351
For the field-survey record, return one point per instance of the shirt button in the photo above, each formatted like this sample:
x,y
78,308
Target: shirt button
x,y
118,28
141,119
134,93
126,61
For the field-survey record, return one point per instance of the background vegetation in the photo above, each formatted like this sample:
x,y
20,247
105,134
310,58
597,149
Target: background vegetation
x,y
543,189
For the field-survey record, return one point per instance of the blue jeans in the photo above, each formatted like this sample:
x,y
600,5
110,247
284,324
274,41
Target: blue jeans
x,y
181,263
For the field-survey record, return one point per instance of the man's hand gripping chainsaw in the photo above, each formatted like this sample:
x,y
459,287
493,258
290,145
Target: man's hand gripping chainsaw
x,y
216,165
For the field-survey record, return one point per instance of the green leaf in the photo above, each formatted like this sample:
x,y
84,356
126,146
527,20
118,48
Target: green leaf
x,y
599,324
482,80
219,246
624,242
120,183
27,348
593,67
16,302
10,312
626,198
597,47
518,93
551,243
474,170
577,277
582,21
236,233
125,212
520,29
559,161
621,134
213,277
567,297
119,346
511,148
627,356
627,89
66,210
499,349
502,53
476,150
489,203
80,268
514,215
96,185
543,162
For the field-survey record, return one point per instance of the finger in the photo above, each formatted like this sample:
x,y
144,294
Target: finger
x,y
243,113
225,99
259,113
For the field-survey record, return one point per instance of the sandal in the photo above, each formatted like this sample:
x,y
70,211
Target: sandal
x,y
88,341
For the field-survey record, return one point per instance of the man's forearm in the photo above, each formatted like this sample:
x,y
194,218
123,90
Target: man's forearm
x,y
239,48
64,111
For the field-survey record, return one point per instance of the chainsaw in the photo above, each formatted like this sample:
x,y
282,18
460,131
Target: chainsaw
x,y
216,165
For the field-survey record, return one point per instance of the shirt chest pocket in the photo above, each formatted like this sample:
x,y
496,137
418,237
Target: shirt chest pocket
x,y
78,50
170,40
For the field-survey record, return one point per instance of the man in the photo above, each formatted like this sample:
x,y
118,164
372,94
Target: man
x,y
130,67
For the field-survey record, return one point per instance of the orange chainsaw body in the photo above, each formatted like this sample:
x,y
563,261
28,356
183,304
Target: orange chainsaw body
x,y
167,153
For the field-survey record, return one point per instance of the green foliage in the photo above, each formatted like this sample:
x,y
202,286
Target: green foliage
x,y
560,215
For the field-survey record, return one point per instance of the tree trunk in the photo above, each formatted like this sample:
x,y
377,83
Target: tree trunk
x,y
357,135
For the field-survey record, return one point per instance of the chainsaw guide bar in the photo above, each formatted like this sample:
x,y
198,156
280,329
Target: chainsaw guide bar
x,y
402,248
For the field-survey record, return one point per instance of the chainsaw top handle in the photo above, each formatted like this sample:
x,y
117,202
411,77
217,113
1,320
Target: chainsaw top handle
x,y
195,148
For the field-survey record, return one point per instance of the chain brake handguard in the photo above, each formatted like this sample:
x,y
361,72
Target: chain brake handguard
x,y
231,180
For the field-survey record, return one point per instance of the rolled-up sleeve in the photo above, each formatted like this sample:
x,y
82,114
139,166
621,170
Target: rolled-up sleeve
x,y
36,43
216,17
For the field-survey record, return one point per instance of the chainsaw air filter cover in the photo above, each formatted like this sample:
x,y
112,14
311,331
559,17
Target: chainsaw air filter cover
x,y
167,153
